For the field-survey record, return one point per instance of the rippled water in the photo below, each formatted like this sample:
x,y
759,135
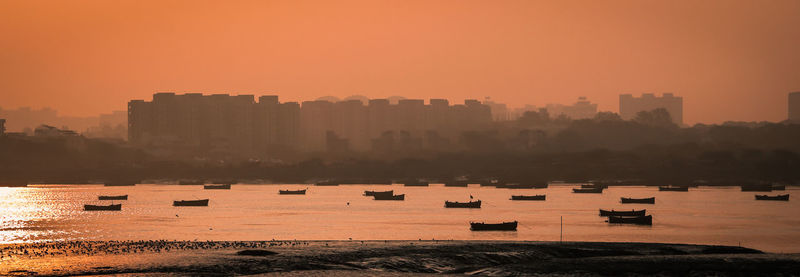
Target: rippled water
x,y
257,212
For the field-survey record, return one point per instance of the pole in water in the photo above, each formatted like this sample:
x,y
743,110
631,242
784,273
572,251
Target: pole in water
x,y
561,234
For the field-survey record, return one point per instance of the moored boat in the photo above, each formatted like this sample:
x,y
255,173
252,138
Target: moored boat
x,y
641,220
112,197
622,213
528,197
673,188
589,190
470,204
399,197
112,207
296,192
650,200
225,186
505,226
373,193
593,186
201,202
783,197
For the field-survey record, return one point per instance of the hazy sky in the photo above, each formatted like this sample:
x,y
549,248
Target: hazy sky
x,y
730,60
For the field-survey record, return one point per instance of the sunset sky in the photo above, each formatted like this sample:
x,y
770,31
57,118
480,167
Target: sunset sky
x,y
730,60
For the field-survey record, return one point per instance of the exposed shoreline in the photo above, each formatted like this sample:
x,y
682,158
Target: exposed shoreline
x,y
499,258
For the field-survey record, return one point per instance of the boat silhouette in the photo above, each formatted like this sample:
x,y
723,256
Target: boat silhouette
x,y
505,226
625,200
622,213
470,204
373,193
224,186
112,197
389,197
294,192
119,184
673,188
783,197
112,207
641,220
540,197
589,190
201,202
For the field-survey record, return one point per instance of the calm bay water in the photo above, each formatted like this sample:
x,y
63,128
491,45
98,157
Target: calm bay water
x,y
719,215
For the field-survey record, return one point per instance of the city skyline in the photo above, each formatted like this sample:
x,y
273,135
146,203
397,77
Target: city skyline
x,y
742,56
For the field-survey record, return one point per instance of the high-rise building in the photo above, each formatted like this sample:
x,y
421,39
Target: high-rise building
x,y
582,109
794,107
629,105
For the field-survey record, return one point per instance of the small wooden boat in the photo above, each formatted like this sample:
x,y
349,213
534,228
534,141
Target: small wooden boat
x,y
783,197
327,184
456,184
470,204
112,197
112,207
763,187
416,184
295,192
522,186
591,190
625,200
528,197
642,220
622,213
119,184
201,202
673,188
225,186
399,197
191,183
505,226
373,193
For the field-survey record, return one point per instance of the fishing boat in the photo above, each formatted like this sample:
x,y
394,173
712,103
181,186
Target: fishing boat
x,y
470,204
642,220
456,184
673,188
112,197
201,202
528,197
625,200
389,197
522,186
225,186
327,184
296,192
373,193
622,213
505,226
191,183
761,187
416,184
112,207
593,186
783,197
119,184
589,190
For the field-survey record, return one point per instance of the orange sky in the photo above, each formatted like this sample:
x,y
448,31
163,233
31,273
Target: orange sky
x,y
730,60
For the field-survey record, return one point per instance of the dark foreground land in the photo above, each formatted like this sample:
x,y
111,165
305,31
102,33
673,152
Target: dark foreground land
x,y
390,258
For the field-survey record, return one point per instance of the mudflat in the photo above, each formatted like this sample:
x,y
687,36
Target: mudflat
x,y
387,258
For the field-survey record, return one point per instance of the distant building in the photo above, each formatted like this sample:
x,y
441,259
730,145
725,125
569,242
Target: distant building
x,y
582,109
794,107
629,105
499,110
